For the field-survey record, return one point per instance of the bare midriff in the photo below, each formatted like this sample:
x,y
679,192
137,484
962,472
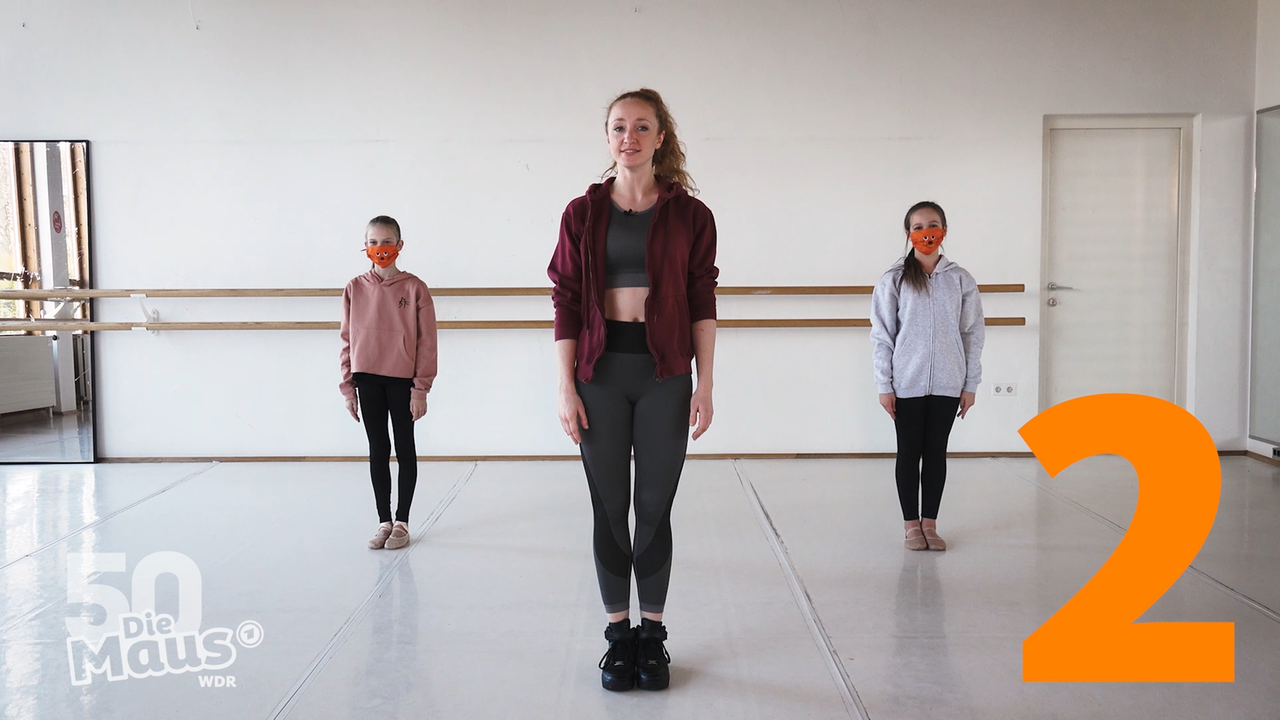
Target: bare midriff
x,y
625,304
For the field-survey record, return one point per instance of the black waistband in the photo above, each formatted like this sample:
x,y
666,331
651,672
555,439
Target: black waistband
x,y
625,337
372,379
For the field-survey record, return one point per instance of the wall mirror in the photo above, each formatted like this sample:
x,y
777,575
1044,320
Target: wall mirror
x,y
46,385
1264,401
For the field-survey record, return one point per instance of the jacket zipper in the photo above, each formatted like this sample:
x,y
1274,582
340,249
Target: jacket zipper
x,y
591,288
648,254
932,323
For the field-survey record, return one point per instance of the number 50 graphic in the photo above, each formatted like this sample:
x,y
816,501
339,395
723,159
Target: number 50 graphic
x,y
81,567
1095,636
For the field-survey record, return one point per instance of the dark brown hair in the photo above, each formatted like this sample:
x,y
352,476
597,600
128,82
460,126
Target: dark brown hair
x,y
668,160
912,271
384,221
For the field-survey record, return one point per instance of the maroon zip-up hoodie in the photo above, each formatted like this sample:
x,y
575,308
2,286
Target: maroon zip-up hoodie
x,y
680,257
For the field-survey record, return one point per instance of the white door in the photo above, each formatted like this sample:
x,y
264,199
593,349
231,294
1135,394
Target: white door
x,y
1110,312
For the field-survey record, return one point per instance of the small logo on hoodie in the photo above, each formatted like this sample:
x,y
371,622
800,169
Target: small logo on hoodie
x,y
404,303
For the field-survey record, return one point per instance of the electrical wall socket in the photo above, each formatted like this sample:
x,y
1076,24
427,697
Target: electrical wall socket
x,y
1002,389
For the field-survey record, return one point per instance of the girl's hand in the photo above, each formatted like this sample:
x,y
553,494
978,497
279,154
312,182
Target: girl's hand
x,y
572,415
418,408
353,407
967,399
889,402
700,410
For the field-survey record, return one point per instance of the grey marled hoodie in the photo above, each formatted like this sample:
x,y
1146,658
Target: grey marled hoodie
x,y
927,343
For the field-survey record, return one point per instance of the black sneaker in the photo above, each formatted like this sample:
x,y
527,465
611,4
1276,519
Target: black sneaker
x,y
652,661
618,666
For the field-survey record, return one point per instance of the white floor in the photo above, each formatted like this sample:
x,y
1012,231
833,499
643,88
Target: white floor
x,y
791,597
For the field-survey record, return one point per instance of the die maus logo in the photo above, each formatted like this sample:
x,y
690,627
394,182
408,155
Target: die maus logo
x,y
134,640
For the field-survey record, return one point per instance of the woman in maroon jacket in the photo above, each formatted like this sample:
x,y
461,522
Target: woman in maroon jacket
x,y
635,276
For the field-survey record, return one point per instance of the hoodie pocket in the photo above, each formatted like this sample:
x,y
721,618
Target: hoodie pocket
x,y
671,331
382,352
406,352
683,328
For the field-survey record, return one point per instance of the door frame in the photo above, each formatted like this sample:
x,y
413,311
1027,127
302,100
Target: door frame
x,y
1266,446
1182,359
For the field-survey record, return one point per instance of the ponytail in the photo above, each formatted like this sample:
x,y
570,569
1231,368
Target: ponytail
x,y
913,273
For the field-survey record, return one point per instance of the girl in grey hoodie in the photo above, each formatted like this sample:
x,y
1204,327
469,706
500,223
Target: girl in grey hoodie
x,y
926,342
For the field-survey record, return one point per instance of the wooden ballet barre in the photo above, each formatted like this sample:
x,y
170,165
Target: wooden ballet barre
x,y
843,323
60,294
98,326
840,289
72,294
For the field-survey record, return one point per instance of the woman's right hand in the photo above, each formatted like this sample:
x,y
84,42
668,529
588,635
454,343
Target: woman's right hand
x,y
353,407
572,415
889,402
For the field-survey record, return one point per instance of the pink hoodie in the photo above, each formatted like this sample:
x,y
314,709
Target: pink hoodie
x,y
388,328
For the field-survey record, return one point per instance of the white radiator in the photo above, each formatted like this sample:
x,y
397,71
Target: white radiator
x,y
26,373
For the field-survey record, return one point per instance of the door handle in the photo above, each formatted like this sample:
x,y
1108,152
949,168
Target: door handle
x,y
1056,286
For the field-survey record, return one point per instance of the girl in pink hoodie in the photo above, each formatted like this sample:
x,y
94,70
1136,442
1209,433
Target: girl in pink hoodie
x,y
388,364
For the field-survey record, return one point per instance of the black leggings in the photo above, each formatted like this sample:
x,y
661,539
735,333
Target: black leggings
x,y
923,424
627,408
379,396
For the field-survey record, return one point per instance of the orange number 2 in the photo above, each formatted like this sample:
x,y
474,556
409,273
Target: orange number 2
x,y
1095,637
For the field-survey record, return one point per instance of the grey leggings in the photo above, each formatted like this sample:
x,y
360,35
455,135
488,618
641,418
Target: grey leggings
x,y
626,407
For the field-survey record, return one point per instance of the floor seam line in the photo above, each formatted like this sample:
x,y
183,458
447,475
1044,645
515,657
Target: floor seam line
x,y
110,515
848,693
294,693
1009,469
1202,575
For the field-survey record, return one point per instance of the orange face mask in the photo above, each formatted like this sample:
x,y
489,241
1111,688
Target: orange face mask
x,y
927,240
382,255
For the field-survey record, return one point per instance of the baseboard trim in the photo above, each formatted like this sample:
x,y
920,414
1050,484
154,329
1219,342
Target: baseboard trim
x,y
1263,458
561,458
538,458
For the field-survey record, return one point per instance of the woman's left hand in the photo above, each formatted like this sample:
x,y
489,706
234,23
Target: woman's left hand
x,y
967,399
700,410
418,408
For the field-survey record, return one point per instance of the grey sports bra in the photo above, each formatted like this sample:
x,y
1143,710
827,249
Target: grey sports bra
x,y
625,248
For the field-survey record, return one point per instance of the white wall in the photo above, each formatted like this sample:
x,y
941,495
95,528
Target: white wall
x,y
249,152
1268,86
